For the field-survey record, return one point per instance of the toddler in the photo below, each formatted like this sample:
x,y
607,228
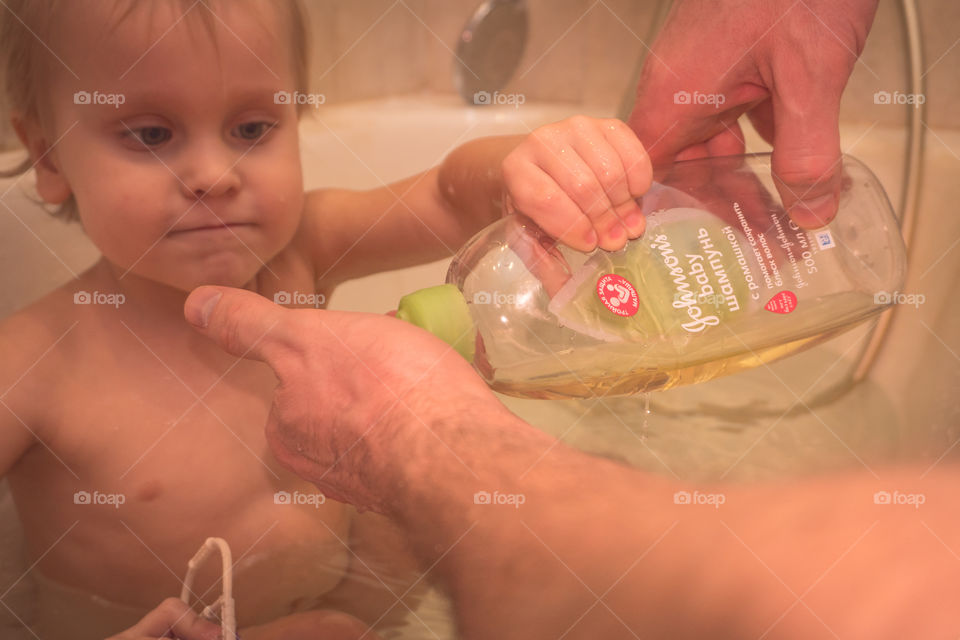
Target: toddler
x,y
127,438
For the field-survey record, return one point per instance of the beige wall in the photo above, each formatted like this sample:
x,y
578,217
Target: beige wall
x,y
584,51
883,65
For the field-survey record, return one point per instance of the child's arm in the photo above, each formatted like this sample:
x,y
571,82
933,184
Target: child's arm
x,y
577,178
425,217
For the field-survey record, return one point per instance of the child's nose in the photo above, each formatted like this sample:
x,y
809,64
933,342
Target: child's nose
x,y
210,171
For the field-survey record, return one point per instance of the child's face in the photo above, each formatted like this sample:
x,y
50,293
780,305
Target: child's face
x,y
197,143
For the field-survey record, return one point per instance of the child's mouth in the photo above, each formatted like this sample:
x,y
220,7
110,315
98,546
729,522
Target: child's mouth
x,y
222,227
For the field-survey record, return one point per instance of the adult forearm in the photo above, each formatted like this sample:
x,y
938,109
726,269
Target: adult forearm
x,y
525,533
574,546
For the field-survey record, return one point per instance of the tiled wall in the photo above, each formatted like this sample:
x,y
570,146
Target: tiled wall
x,y
584,51
368,48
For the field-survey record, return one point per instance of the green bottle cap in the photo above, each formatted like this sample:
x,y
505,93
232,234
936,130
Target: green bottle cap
x,y
442,311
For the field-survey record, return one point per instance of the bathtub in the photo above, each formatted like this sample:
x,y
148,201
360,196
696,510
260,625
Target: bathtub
x,y
795,416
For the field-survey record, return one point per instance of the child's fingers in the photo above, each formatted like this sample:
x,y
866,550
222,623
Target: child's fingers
x,y
636,162
537,194
574,177
603,159
565,166
631,216
637,172
607,166
172,616
579,180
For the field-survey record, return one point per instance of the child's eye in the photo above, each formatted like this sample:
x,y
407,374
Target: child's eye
x,y
253,130
152,136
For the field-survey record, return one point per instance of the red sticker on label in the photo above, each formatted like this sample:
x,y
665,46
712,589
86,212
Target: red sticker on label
x,y
618,295
783,302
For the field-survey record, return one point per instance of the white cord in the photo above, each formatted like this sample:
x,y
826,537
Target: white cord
x,y
223,609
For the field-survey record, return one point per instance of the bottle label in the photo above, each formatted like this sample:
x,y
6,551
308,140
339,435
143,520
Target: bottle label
x,y
618,295
718,267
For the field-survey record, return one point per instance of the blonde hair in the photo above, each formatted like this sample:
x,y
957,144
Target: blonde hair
x,y
26,24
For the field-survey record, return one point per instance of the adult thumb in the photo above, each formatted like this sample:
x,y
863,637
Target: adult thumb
x,y
806,158
243,323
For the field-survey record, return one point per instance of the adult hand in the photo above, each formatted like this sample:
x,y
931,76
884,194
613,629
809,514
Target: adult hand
x,y
172,619
783,63
351,386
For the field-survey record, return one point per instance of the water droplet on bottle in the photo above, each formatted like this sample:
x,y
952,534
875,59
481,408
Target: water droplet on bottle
x,y
646,416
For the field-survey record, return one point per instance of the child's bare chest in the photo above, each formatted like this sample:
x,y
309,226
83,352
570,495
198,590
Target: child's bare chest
x,y
155,452
153,410
134,401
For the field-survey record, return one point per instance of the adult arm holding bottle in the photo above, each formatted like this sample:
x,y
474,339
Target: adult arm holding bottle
x,y
382,415
783,63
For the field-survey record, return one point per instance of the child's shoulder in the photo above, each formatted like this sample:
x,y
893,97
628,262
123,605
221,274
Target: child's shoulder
x,y
44,314
31,361
31,334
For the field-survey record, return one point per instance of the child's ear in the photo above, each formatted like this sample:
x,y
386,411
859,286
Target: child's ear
x,y
51,184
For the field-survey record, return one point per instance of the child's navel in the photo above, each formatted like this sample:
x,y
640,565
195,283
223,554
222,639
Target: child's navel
x,y
148,491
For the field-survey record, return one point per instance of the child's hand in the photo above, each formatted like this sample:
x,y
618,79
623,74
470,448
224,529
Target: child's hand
x,y
578,178
172,619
